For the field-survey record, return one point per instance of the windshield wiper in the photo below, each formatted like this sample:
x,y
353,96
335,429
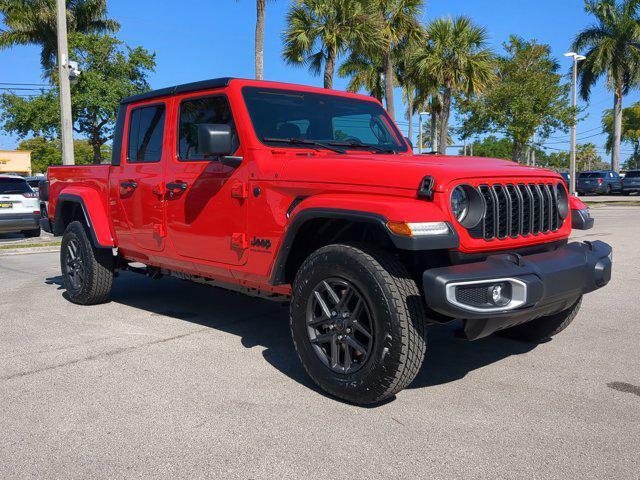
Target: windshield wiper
x,y
362,145
300,141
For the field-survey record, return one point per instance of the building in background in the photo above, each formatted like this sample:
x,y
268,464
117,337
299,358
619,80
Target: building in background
x,y
15,161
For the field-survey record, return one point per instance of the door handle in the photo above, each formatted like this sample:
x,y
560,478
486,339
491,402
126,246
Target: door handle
x,y
177,185
129,185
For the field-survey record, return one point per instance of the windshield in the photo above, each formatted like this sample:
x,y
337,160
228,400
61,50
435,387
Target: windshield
x,y
320,120
633,174
591,175
14,185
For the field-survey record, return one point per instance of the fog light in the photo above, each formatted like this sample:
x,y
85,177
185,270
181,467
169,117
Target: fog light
x,y
500,294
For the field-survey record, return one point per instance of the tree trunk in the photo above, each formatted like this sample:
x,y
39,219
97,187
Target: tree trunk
x,y
329,69
518,148
617,130
410,101
433,130
259,48
97,152
444,122
388,82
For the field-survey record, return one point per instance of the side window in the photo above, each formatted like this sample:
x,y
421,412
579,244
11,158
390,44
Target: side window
x,y
146,129
193,112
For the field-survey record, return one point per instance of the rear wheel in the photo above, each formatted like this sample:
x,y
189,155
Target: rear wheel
x,y
32,233
87,271
543,328
357,321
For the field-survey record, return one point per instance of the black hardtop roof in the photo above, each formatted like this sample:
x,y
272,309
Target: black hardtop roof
x,y
184,88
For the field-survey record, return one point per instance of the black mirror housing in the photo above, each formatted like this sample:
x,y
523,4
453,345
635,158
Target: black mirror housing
x,y
214,140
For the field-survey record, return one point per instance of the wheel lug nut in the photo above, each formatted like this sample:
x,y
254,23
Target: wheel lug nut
x,y
334,314
340,337
348,330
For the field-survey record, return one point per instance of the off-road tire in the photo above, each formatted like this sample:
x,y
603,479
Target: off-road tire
x,y
97,266
32,233
396,306
543,328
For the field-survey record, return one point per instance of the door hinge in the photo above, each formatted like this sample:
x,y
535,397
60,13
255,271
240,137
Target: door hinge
x,y
239,241
239,190
159,230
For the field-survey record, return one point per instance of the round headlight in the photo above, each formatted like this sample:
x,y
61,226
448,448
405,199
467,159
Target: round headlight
x,y
459,203
563,201
467,206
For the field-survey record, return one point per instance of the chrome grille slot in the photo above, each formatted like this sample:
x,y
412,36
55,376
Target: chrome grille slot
x,y
516,210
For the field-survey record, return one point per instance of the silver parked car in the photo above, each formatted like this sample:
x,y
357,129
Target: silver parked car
x,y
19,207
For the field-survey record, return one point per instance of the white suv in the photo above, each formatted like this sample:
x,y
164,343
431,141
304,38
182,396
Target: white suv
x,y
19,207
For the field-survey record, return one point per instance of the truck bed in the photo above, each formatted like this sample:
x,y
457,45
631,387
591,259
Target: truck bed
x,y
64,179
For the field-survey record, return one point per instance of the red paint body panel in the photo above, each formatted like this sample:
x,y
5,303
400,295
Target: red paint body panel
x,y
208,228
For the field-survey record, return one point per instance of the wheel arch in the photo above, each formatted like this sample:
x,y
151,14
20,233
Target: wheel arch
x,y
313,228
86,208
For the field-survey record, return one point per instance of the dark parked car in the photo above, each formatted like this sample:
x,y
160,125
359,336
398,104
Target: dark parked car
x,y
599,182
631,182
566,177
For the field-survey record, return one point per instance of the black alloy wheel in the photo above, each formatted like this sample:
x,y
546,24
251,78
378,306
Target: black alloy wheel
x,y
74,267
339,325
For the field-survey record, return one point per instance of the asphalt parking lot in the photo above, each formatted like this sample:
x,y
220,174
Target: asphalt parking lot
x,y
176,380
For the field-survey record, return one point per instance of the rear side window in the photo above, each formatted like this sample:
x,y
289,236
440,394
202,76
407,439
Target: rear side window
x,y
591,175
10,186
202,110
146,129
634,174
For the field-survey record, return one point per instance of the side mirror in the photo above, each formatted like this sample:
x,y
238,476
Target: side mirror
x,y
214,140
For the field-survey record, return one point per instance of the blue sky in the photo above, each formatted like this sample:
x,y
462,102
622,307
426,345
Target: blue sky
x,y
198,39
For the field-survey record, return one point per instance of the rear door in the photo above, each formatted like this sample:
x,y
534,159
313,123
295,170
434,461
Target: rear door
x,y
138,189
207,206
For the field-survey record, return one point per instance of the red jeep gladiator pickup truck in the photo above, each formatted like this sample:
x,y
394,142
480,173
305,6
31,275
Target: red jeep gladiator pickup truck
x,y
313,196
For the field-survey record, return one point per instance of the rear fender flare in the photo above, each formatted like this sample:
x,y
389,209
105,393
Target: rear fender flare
x,y
94,213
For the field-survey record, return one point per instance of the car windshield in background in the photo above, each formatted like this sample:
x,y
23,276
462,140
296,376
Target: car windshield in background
x,y
634,174
313,120
591,175
14,186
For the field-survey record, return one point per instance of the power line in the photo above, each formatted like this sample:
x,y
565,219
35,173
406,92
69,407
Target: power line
x,y
21,89
27,84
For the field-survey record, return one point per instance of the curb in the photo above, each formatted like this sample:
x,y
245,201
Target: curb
x,y
28,251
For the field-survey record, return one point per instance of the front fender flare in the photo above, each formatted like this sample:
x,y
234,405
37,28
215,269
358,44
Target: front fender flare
x,y
442,242
94,214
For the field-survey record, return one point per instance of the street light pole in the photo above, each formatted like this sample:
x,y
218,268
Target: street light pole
x,y
574,101
65,85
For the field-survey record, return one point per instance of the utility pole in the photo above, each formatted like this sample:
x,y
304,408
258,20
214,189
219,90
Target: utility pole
x,y
574,101
420,114
65,85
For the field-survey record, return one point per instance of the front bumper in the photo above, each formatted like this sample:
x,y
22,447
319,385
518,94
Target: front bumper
x,y
17,222
544,284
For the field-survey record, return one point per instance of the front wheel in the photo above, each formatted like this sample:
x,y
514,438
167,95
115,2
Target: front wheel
x,y
543,328
87,271
358,323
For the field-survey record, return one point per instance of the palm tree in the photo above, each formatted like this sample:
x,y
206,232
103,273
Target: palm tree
x,y
612,47
456,58
318,31
33,22
365,73
258,54
397,22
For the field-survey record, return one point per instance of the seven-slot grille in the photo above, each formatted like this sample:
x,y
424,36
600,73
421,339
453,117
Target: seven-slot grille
x,y
514,210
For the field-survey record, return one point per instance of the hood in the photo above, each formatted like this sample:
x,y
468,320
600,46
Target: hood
x,y
400,171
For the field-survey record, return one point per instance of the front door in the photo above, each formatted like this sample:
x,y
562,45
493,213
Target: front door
x,y
138,181
206,200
